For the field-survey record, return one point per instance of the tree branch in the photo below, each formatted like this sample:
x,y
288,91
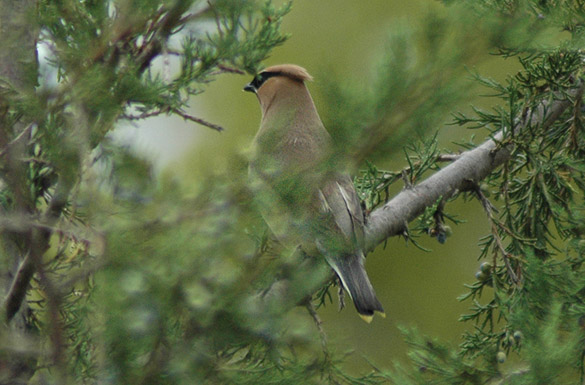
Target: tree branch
x,y
40,236
19,287
473,165
18,74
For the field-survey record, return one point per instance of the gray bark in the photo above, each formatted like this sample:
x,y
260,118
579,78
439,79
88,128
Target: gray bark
x,y
471,166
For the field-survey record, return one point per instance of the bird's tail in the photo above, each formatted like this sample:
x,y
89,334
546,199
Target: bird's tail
x,y
351,271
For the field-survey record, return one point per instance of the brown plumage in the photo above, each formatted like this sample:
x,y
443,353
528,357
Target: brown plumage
x,y
303,201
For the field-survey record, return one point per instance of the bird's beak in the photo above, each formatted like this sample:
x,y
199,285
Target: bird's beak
x,y
250,88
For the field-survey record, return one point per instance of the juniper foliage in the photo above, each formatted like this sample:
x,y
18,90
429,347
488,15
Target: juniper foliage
x,y
527,300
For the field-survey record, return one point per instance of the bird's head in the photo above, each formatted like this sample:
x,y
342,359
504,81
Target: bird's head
x,y
284,80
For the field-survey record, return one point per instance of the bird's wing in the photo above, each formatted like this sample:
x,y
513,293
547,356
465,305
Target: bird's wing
x,y
341,242
342,213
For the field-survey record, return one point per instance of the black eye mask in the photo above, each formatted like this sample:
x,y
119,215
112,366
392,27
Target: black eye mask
x,y
257,82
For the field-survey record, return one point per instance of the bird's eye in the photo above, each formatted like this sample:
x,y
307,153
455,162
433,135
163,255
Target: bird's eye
x,y
258,80
262,77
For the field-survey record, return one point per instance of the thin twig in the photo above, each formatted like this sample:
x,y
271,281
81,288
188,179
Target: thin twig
x,y
197,120
144,115
195,15
311,309
161,30
217,22
153,25
177,111
224,69
489,209
406,179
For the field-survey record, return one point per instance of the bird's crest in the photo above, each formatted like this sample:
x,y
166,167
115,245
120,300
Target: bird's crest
x,y
290,70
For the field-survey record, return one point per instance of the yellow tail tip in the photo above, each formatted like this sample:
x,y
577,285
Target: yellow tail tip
x,y
369,318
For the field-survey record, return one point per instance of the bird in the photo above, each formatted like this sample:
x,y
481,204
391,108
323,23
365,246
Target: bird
x,y
304,201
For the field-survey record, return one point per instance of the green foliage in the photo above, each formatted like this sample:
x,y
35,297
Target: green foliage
x,y
178,301
105,305
526,303
534,284
539,192
419,76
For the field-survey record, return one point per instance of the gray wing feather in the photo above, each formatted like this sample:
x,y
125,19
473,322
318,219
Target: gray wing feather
x,y
340,202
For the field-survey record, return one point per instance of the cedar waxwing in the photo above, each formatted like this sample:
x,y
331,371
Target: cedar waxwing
x,y
302,200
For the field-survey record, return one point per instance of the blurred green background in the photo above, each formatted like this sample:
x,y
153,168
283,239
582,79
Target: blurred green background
x,y
347,38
